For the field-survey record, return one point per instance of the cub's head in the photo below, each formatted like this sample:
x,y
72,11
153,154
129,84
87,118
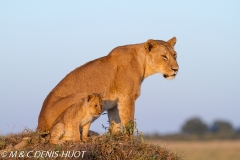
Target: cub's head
x,y
94,101
161,57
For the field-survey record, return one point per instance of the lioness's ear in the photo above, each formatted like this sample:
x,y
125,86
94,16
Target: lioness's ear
x,y
101,95
89,97
172,41
150,45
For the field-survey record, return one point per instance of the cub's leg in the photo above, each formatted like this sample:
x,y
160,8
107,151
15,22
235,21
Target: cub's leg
x,y
56,133
76,132
85,130
68,134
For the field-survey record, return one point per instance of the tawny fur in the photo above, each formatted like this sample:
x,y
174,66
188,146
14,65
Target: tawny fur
x,y
79,115
118,75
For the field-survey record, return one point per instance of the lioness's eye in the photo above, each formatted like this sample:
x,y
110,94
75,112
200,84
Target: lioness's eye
x,y
164,57
95,106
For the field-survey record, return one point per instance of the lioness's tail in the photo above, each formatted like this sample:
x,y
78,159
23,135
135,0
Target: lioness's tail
x,y
18,146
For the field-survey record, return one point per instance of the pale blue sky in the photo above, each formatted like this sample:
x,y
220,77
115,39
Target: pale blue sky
x,y
42,41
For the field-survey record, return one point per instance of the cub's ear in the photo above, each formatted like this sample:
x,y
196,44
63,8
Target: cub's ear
x,y
150,45
90,97
172,41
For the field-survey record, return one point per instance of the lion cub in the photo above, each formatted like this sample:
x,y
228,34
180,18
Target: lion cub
x,y
80,114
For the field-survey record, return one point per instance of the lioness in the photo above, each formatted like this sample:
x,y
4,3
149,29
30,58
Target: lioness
x,y
80,114
118,75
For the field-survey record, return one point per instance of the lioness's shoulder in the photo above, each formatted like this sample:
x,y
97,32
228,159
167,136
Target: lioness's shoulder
x,y
125,54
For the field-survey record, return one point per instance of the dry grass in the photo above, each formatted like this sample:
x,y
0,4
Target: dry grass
x,y
101,147
204,150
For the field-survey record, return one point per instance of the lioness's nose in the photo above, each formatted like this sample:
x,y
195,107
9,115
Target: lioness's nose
x,y
175,69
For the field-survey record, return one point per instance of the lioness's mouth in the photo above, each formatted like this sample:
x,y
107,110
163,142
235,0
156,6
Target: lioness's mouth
x,y
169,77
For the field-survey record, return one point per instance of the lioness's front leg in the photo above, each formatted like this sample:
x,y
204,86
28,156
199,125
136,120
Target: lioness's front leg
x,y
122,114
114,120
126,109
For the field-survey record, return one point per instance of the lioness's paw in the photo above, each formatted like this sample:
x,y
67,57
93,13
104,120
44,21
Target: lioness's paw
x,y
86,139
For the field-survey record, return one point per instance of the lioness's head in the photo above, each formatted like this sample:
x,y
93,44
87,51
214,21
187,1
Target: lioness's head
x,y
161,57
94,101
